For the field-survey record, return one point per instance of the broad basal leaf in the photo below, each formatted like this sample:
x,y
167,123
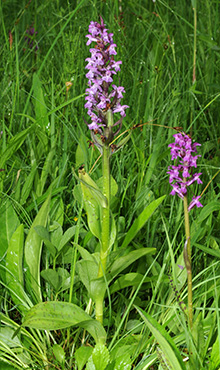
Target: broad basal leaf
x,y
99,358
33,246
93,202
54,315
14,265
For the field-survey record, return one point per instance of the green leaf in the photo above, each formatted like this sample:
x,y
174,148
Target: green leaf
x,y
214,362
64,278
60,315
123,363
91,189
59,353
6,336
27,188
33,247
211,252
208,40
113,185
14,144
152,162
56,235
97,288
84,253
166,343
99,359
59,280
180,274
81,156
164,362
87,271
134,326
90,364
44,235
12,349
93,202
130,279
113,231
198,334
45,172
53,190
67,236
5,366
14,264
123,262
77,193
141,220
57,210
82,355
9,222
123,142
52,277
39,103
120,363
42,146
207,210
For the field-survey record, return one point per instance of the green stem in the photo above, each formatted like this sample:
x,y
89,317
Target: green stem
x,y
105,212
74,255
105,226
73,264
187,257
99,309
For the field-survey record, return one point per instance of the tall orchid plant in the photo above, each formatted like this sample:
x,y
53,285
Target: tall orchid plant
x,y
181,178
103,100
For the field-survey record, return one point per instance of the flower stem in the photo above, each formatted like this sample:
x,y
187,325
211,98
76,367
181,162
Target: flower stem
x,y
105,226
187,258
106,212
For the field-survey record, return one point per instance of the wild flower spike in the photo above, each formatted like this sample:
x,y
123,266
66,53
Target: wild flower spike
x,y
181,175
30,38
101,69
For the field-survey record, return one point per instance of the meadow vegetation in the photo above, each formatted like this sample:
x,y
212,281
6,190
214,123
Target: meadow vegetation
x,y
49,234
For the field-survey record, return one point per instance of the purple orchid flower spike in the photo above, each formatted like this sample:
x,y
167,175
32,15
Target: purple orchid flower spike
x,y
181,176
103,97
30,38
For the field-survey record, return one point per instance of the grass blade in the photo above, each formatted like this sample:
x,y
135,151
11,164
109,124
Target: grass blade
x,y
141,220
166,343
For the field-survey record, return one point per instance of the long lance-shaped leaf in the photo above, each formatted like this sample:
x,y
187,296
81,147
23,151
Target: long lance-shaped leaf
x,y
95,192
123,262
14,144
93,202
98,286
141,220
39,102
28,185
45,172
33,247
14,272
9,222
167,345
163,360
60,315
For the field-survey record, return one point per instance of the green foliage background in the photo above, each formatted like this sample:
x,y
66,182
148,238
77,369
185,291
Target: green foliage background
x,y
44,137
